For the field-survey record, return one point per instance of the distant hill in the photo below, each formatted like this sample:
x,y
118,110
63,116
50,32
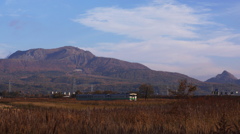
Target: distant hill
x,y
225,78
54,69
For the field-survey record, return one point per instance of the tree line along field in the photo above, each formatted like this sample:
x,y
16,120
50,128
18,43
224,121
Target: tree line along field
x,y
152,116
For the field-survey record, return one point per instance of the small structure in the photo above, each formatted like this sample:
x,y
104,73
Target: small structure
x,y
65,94
226,92
133,97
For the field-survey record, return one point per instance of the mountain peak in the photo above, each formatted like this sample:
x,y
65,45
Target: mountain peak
x,y
224,77
225,72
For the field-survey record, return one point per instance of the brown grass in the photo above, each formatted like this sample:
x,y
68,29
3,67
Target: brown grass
x,y
154,116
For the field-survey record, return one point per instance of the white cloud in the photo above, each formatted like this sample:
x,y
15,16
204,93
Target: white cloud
x,y
173,37
149,22
222,46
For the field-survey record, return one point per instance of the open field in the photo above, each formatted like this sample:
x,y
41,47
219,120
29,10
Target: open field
x,y
60,116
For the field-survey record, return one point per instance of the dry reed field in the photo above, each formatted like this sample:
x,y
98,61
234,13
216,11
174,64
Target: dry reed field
x,y
202,115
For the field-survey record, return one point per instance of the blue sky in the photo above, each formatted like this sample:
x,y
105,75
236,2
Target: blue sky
x,y
196,38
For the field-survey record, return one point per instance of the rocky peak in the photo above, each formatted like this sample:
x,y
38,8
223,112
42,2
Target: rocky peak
x,y
224,77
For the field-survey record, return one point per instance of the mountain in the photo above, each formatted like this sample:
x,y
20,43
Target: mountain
x,y
225,77
54,69
66,59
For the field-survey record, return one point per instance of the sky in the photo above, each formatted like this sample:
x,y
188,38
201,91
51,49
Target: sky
x,y
196,38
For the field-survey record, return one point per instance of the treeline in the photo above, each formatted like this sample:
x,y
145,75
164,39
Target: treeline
x,y
184,89
8,94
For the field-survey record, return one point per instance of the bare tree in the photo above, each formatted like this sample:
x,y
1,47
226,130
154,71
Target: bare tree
x,y
146,90
184,89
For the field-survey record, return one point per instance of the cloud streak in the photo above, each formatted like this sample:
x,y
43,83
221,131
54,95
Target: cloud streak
x,y
174,37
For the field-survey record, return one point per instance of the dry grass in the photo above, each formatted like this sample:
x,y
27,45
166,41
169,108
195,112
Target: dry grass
x,y
196,115
4,106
